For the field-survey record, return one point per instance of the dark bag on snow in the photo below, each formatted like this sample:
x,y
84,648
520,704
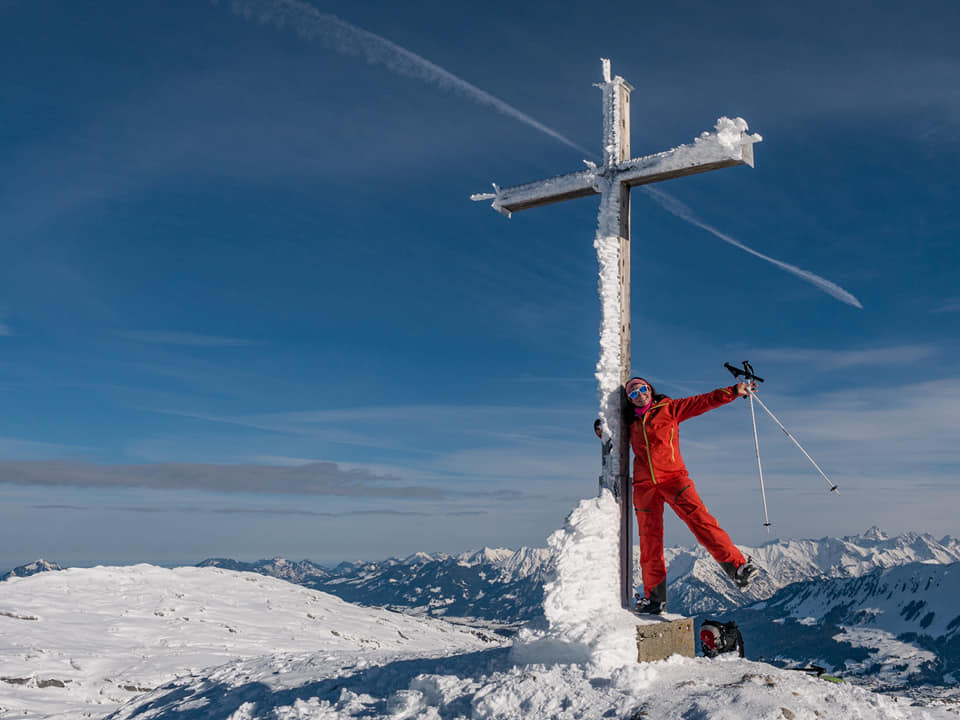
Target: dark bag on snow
x,y
717,638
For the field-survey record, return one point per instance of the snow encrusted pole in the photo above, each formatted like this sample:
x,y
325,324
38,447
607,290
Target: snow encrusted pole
x,y
612,244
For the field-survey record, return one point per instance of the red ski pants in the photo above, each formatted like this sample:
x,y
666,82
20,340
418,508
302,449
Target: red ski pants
x,y
682,496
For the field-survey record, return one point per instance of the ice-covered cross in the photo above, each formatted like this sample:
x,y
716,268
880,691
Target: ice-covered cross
x,y
728,146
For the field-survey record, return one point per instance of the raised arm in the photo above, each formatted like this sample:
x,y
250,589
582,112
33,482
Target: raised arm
x,y
688,407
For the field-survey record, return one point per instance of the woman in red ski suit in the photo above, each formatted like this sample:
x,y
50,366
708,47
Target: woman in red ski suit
x,y
659,475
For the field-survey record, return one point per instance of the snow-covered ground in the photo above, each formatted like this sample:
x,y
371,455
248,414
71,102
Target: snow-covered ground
x,y
490,686
889,658
81,642
191,643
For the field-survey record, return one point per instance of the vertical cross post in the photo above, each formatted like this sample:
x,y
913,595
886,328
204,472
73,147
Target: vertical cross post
x,y
613,231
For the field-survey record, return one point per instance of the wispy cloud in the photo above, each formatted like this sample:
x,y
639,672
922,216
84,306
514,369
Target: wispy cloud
x,y
184,338
5,330
949,306
586,379
881,435
900,355
193,509
322,478
282,460
348,39
675,207
412,413
528,463
17,447
357,426
884,433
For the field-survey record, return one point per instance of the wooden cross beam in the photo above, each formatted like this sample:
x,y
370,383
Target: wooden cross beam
x,y
730,145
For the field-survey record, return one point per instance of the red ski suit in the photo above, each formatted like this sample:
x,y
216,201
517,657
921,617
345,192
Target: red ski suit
x,y
660,475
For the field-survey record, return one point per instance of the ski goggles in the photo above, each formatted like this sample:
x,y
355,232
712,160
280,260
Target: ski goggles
x,y
638,391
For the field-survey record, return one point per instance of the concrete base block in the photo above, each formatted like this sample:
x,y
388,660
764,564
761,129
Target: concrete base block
x,y
661,638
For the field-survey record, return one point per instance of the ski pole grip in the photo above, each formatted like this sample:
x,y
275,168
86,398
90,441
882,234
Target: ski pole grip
x,y
745,372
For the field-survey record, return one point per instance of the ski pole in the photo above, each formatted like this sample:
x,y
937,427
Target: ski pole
x,y
756,445
833,487
747,373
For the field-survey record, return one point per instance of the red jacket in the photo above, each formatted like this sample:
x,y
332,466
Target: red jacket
x,y
655,435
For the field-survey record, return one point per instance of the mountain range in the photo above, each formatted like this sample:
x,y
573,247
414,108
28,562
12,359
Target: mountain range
x,y
497,585
870,605
506,586
866,604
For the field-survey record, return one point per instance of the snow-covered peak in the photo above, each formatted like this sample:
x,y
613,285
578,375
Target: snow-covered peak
x,y
37,566
874,533
418,558
697,585
492,556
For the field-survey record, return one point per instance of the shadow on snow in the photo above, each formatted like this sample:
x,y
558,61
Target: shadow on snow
x,y
206,699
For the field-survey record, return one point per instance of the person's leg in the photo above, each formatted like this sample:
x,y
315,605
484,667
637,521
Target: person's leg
x,y
686,502
648,504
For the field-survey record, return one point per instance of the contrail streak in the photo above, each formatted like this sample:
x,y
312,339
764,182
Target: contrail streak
x,y
675,207
348,39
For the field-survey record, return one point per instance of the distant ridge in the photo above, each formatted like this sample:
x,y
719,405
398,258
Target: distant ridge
x,y
697,585
506,586
37,566
495,584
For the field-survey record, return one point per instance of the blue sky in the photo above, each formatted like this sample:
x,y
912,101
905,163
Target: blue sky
x,y
247,307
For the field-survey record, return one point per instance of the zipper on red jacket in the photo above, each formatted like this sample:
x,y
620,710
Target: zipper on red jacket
x,y
643,425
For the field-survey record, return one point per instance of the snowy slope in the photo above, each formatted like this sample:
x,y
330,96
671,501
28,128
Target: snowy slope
x,y
917,598
222,644
93,638
582,665
897,628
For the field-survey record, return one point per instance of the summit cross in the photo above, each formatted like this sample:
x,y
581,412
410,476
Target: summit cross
x,y
729,146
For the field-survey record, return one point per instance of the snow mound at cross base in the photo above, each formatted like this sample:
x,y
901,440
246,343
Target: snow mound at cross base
x,y
582,600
